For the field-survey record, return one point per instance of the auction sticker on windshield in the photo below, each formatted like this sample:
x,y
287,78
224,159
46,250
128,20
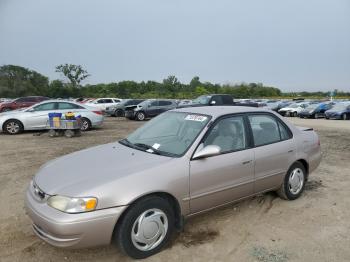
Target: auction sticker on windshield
x,y
196,118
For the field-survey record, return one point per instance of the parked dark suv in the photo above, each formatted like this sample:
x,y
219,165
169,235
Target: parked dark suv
x,y
21,103
211,100
149,108
119,110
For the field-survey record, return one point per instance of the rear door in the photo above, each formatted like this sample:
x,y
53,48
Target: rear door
x,y
164,105
275,150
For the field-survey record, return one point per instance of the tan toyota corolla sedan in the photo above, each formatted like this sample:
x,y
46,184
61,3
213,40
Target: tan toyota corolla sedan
x,y
139,190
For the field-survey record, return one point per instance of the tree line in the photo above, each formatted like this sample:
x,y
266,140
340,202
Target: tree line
x,y
17,81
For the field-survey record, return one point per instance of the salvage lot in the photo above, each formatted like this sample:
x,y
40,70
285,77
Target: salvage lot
x,y
315,227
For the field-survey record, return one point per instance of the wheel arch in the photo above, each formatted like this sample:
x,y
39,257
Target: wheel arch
x,y
166,196
305,164
12,119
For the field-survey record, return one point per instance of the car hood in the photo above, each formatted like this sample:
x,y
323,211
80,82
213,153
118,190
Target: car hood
x,y
86,172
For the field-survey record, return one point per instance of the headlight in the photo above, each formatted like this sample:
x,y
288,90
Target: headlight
x,y
72,204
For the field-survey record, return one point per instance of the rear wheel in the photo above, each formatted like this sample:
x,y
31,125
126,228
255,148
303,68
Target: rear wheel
x,y
85,124
146,227
13,127
344,117
119,113
295,114
294,182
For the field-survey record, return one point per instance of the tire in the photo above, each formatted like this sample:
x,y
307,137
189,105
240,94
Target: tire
x,y
136,217
140,116
53,133
13,127
85,124
291,189
344,117
119,113
295,114
69,133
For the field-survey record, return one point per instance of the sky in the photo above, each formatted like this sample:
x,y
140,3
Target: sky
x,y
295,45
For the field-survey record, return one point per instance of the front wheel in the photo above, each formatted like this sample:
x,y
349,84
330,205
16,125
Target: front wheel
x,y
140,116
295,114
13,127
146,227
119,113
293,183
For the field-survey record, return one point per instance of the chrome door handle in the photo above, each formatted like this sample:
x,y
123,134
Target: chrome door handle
x,y
246,162
290,151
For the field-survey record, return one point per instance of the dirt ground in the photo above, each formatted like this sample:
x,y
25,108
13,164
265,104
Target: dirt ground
x,y
315,227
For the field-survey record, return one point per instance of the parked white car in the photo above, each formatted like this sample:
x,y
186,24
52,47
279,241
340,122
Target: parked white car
x,y
103,103
293,109
36,116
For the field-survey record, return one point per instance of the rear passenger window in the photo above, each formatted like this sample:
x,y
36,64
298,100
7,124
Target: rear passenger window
x,y
265,129
164,103
65,106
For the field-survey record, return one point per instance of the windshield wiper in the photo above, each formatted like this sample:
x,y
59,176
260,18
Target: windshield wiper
x,y
151,149
126,142
147,147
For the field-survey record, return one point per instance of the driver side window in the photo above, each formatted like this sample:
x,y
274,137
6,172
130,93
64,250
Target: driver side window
x,y
229,134
45,107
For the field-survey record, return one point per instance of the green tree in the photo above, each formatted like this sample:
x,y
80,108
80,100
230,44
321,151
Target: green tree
x,y
74,73
18,81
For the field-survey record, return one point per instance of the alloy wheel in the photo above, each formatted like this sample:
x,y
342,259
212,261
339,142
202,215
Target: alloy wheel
x,y
13,127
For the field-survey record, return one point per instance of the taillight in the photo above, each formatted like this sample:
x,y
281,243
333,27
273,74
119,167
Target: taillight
x,y
97,112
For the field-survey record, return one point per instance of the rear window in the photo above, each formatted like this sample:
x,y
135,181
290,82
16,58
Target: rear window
x,y
65,106
165,103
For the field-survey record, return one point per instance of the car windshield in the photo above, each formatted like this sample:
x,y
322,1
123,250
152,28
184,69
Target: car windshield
x,y
145,103
125,101
340,106
294,105
204,100
169,134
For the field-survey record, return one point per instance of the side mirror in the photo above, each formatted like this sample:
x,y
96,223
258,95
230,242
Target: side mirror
x,y
213,102
210,150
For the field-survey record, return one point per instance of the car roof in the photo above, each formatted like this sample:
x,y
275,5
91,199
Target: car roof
x,y
217,111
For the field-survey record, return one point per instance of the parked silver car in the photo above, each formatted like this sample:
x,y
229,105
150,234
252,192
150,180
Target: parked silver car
x,y
36,116
139,190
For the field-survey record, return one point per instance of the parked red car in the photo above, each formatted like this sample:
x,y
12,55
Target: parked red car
x,y
21,103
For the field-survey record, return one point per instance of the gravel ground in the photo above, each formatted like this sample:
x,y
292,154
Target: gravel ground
x,y
315,227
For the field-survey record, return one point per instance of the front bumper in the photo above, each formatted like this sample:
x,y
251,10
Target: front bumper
x,y
305,114
71,230
333,116
130,114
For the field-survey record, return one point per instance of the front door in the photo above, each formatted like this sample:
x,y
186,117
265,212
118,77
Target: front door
x,y
228,176
37,117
